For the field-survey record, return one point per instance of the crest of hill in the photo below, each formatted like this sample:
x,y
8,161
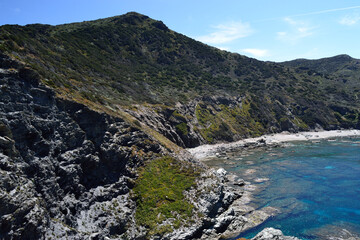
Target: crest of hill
x,y
342,68
133,58
326,65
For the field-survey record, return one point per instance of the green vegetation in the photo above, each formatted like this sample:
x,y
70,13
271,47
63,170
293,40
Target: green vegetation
x,y
182,128
132,59
302,126
178,116
159,194
224,122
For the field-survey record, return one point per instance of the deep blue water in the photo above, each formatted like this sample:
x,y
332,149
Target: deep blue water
x,y
316,186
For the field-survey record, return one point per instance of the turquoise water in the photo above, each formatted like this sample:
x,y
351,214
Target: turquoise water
x,y
315,185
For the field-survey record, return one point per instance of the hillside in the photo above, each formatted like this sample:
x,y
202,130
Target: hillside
x,y
119,62
342,72
69,172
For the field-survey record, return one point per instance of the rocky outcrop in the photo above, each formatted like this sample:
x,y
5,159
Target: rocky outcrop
x,y
65,171
272,234
219,119
170,122
225,210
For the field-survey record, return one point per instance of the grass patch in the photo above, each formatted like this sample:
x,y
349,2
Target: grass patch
x,y
182,128
159,194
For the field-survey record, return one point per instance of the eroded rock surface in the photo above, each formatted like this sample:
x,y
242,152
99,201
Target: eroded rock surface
x,y
66,172
272,234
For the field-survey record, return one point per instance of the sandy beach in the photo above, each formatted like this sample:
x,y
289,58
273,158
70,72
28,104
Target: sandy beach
x,y
208,150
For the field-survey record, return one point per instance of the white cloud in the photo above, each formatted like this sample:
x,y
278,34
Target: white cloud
x,y
256,52
225,33
350,19
291,21
224,48
298,30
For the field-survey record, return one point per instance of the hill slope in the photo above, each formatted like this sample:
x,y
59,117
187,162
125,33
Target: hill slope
x,y
118,62
342,72
68,172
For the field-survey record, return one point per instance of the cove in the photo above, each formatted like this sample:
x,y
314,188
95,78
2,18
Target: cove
x,y
314,184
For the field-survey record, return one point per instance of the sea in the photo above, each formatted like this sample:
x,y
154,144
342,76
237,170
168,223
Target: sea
x,y
314,184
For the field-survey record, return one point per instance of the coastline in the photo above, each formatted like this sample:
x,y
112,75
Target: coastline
x,y
209,150
255,218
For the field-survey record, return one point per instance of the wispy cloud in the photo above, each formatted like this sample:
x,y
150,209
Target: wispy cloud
x,y
350,19
325,11
298,30
225,33
311,13
256,52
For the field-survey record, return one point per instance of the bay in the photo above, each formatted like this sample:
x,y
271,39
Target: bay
x,y
315,185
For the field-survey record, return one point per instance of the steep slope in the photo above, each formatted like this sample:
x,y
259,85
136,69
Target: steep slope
x,y
62,163
188,91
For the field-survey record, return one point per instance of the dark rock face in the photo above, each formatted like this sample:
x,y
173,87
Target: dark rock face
x,y
65,170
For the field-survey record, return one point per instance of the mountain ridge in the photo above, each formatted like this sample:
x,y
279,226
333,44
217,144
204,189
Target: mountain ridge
x,y
118,62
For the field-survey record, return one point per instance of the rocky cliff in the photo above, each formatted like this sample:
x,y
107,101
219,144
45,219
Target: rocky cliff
x,y
63,166
68,172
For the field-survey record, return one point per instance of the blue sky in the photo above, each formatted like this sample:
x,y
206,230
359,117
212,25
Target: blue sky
x,y
273,30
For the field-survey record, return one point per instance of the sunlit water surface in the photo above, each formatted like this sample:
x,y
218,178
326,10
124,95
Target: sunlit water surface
x,y
316,186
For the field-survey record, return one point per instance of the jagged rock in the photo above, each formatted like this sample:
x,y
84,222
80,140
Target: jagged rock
x,y
240,182
272,234
221,172
65,170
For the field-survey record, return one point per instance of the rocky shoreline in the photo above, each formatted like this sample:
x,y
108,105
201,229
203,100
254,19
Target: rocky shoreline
x,y
205,152
76,133
226,209
235,215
